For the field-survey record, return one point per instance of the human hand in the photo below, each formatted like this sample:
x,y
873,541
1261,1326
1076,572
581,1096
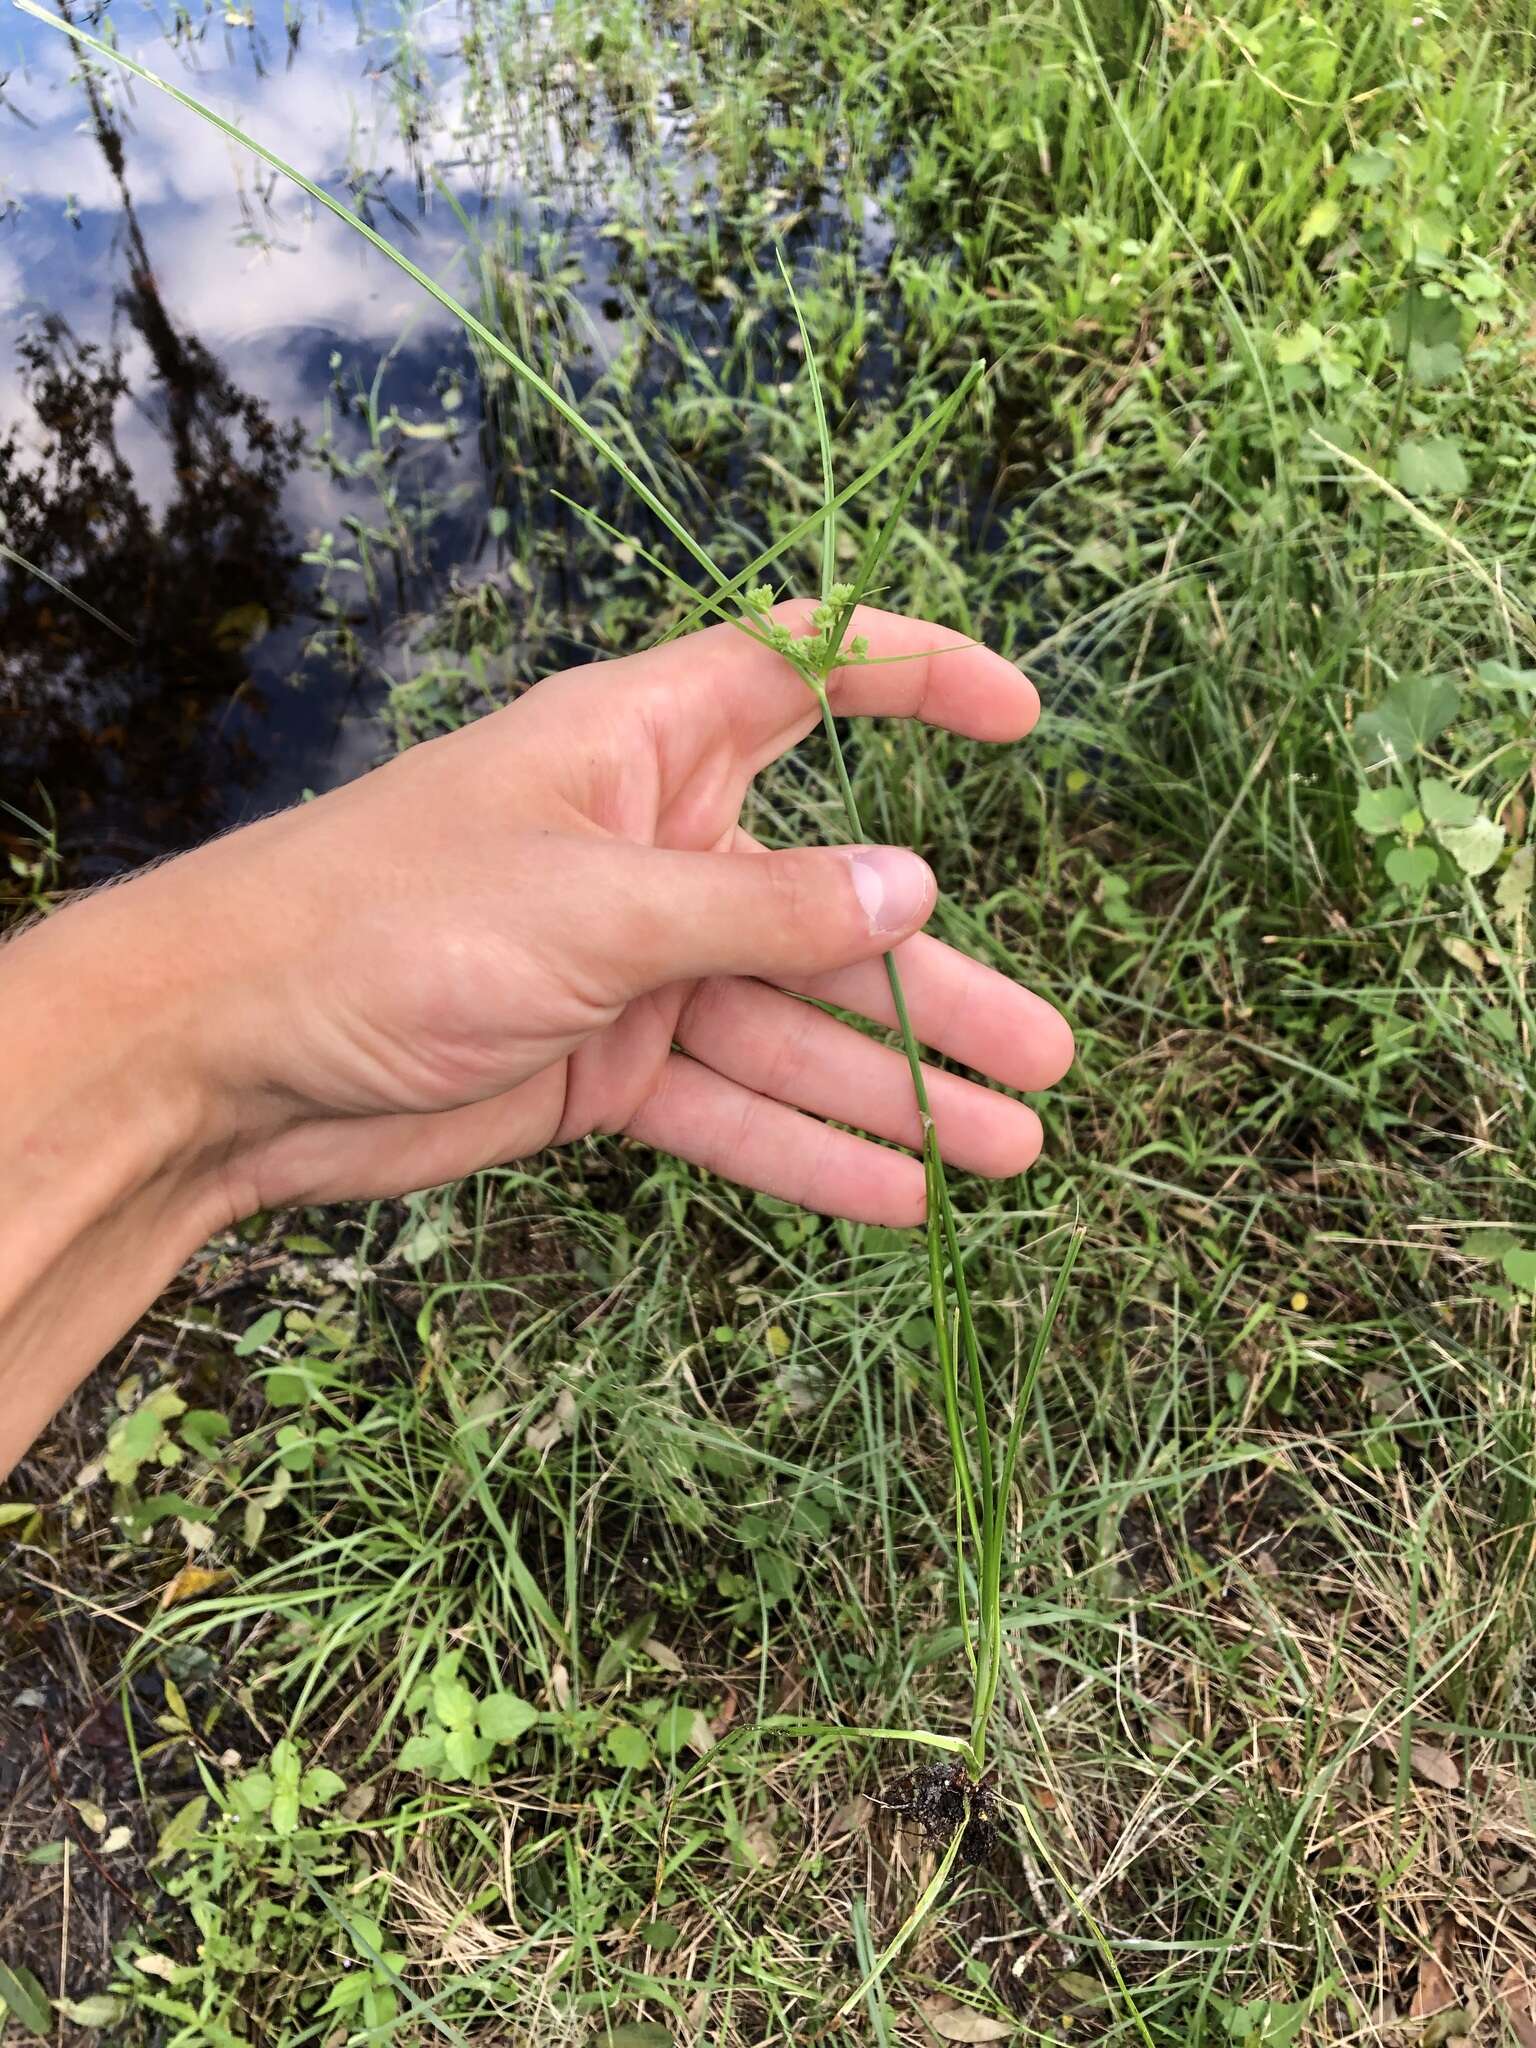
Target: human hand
x,y
547,924
496,942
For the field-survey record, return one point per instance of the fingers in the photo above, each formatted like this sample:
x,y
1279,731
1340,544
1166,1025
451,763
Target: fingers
x,y
789,1050
649,916
958,1007
969,1012
714,1122
915,670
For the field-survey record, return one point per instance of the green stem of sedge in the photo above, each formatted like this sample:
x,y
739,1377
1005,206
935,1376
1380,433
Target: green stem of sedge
x,y
944,1241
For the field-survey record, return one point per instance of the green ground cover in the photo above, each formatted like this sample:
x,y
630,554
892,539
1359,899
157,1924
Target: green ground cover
x,y
526,1503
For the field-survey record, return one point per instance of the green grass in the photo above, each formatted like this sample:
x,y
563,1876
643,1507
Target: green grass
x,y
677,1481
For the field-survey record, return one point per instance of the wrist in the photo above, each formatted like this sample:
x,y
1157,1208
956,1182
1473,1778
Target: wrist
x,y
111,1143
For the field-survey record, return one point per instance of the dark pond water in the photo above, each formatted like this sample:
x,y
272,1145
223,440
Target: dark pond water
x,y
183,339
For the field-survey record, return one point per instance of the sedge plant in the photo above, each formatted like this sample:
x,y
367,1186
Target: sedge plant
x,y
984,1455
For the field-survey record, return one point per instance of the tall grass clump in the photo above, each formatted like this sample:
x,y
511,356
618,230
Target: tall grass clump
x,y
984,1441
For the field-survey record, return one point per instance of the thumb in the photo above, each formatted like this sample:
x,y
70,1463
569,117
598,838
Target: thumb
x,y
680,916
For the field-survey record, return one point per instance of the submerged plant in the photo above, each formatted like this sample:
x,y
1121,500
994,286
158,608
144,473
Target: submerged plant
x,y
955,1803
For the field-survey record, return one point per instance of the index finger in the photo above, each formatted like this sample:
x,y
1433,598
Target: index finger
x,y
915,670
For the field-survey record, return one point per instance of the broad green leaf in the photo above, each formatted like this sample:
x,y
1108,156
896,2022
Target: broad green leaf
x,y
1474,847
506,1718
262,1331
1433,362
100,2009
1368,167
319,1786
1320,222
1443,804
628,1747
1299,346
423,1752
1409,718
1378,811
1520,1268
141,1436
1426,239
683,1727
25,1999
251,1795
463,1752
1431,466
288,1387
1412,867
452,1701
1485,1242
203,1429
285,1787
1512,895
1424,321
1498,675
637,2034
182,1829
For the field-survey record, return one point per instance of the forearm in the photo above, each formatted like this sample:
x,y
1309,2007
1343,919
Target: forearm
x,y
109,1145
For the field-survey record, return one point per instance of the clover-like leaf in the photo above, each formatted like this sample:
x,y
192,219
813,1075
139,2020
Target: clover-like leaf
x,y
1443,804
1512,895
628,1746
1408,719
1412,867
1474,847
1382,810
1430,466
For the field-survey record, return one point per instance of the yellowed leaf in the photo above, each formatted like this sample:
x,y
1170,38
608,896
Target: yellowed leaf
x,y
156,1966
1516,2000
1433,1992
191,1580
118,1839
777,1339
758,1845
1165,1733
663,1658
91,1814
850,1817
1426,1759
543,1435
952,2021
1435,1765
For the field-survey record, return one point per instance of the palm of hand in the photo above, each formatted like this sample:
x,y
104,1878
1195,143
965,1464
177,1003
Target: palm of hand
x,y
537,954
